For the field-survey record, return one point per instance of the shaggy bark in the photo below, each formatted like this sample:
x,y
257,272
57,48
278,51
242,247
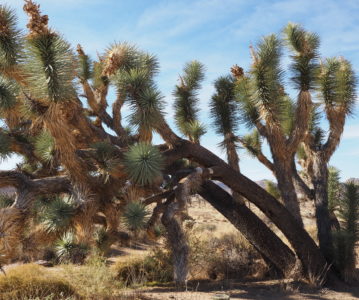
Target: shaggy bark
x,y
13,219
178,242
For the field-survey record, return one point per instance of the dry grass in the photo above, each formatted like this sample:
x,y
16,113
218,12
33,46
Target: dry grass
x,y
32,281
229,256
155,267
92,280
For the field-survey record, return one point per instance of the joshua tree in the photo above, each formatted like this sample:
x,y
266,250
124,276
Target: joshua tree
x,y
67,151
337,87
266,105
293,127
347,236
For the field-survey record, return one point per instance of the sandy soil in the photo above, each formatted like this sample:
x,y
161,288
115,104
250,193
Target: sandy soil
x,y
264,290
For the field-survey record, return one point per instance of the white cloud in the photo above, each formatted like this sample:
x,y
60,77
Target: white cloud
x,y
351,132
10,163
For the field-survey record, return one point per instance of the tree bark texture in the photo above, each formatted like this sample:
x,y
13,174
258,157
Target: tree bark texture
x,y
178,242
320,183
284,174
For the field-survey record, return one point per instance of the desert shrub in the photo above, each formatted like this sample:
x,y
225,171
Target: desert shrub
x,y
155,267
102,240
205,227
159,230
94,279
227,257
131,272
33,282
68,251
159,265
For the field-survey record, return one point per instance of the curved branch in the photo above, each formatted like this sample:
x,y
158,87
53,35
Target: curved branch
x,y
336,120
116,112
13,178
28,189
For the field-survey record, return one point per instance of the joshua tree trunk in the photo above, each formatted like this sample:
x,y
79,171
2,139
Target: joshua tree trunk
x,y
307,251
320,182
255,231
284,174
178,243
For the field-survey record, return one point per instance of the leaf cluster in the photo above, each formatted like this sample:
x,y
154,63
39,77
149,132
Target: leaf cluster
x,y
10,39
186,96
50,68
223,107
143,163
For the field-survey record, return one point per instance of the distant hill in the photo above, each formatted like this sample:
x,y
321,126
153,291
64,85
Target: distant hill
x,y
355,180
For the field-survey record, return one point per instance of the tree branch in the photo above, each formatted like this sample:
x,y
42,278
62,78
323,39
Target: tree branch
x,y
259,155
302,116
336,120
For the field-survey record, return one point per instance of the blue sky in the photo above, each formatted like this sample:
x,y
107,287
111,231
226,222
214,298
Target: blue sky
x,y
215,32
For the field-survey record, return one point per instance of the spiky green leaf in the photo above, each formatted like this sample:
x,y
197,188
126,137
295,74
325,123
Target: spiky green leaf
x,y
135,216
57,214
186,95
147,109
5,146
84,67
253,143
50,67
305,47
8,93
45,146
143,163
223,107
10,38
